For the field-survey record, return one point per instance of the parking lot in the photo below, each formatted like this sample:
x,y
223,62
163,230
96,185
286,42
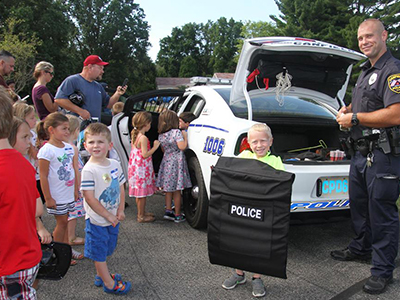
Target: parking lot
x,y
165,260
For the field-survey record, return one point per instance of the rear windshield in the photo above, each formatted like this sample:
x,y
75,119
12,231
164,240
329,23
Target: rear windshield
x,y
267,105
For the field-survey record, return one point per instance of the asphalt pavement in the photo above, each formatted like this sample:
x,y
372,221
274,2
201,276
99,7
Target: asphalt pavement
x,y
165,260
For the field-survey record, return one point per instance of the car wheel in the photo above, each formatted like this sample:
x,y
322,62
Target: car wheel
x,y
195,200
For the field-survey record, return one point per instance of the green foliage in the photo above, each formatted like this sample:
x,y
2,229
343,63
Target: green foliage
x,y
116,31
69,30
200,49
23,47
47,21
252,30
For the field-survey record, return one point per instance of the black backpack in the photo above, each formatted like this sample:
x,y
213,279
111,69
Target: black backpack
x,y
249,214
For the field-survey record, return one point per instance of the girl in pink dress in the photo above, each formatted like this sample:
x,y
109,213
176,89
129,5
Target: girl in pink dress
x,y
140,170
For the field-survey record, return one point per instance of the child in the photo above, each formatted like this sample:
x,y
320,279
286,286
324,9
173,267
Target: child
x,y
140,170
116,109
260,140
19,211
173,175
104,195
184,120
57,176
27,112
79,211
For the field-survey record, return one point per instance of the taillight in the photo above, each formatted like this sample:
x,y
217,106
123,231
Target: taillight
x,y
244,145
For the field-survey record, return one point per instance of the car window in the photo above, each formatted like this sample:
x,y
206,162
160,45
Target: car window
x,y
195,105
293,106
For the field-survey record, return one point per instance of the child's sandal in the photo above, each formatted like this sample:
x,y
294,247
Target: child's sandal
x,y
120,287
149,214
99,282
73,262
145,219
77,255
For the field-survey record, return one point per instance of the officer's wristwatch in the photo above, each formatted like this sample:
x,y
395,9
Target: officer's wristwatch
x,y
354,120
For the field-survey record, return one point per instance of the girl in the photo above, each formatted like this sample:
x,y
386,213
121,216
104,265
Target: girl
x,y
57,176
27,112
79,211
41,96
140,170
173,175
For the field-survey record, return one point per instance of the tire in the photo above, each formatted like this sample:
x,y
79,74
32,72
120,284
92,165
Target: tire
x,y
195,200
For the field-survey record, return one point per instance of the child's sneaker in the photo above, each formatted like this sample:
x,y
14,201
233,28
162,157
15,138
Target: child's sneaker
x,y
120,287
233,281
169,215
258,287
180,218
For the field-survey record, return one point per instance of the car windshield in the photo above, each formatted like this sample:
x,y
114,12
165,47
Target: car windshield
x,y
267,105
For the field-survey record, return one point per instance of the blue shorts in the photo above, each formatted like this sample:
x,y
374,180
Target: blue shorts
x,y
100,241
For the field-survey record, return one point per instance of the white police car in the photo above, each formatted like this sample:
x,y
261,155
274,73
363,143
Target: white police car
x,y
295,86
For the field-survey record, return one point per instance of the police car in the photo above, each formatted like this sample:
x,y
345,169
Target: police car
x,y
294,85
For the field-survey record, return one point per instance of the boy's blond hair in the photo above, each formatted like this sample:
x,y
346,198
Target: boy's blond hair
x,y
117,108
6,113
97,129
261,127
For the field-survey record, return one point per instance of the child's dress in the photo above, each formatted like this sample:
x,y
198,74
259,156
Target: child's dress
x,y
79,210
173,174
140,173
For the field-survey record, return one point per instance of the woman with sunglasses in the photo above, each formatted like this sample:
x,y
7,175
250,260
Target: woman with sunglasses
x,y
41,96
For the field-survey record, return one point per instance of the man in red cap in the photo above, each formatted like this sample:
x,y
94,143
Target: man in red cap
x,y
85,83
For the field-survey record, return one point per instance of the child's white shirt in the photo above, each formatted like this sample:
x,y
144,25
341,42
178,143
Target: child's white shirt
x,y
61,172
105,181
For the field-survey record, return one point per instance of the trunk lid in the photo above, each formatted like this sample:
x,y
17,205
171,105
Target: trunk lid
x,y
312,65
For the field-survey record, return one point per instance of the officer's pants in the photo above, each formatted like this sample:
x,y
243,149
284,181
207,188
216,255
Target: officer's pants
x,y
373,193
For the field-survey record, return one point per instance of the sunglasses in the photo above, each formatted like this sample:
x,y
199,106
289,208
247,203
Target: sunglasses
x,y
51,73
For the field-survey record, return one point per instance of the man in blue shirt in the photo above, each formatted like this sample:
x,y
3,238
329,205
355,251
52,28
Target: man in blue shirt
x,y
95,97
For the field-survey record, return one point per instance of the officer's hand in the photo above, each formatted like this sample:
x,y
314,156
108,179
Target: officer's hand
x,y
344,120
121,90
84,114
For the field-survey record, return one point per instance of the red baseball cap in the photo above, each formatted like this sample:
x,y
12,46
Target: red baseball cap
x,y
94,60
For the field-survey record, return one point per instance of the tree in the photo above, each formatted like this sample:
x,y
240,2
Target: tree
x,y
182,43
223,36
324,20
255,29
115,30
46,21
24,50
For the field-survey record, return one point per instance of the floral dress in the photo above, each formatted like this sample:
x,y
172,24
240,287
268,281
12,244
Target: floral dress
x,y
79,210
140,173
173,174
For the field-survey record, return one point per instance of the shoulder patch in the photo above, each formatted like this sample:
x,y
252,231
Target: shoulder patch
x,y
394,83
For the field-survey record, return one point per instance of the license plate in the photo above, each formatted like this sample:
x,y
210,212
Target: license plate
x,y
328,187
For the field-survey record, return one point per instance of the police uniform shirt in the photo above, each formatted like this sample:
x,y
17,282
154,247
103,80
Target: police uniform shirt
x,y
377,87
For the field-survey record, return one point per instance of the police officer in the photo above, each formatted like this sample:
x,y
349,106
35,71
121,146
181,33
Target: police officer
x,y
374,169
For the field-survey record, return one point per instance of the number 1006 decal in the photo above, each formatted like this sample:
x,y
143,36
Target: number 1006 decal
x,y
214,145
